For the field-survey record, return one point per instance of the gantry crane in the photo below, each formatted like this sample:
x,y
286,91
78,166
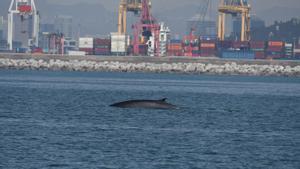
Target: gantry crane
x,y
235,8
23,8
146,31
125,6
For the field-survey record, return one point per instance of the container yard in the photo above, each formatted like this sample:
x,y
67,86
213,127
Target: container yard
x,y
153,38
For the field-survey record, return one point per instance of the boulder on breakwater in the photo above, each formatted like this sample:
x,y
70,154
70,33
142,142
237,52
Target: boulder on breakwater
x,y
229,68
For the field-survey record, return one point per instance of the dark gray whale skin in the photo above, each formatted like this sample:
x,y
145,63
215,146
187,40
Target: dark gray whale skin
x,y
145,104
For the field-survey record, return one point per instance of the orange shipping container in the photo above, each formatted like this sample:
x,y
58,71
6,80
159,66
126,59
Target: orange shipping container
x,y
175,47
208,45
276,43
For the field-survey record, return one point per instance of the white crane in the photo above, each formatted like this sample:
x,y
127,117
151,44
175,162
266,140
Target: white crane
x,y
23,8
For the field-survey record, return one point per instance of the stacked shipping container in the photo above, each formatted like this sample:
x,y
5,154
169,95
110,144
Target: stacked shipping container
x,y
288,50
191,46
225,44
102,46
119,44
297,51
239,45
235,54
275,50
235,50
258,47
175,48
207,48
86,45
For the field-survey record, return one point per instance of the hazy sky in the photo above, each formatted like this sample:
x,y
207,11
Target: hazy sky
x,y
163,4
94,14
258,5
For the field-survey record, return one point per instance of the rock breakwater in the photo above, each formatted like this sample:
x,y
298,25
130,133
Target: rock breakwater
x,y
229,68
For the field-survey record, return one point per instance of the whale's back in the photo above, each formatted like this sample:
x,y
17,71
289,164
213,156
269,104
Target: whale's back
x,y
146,104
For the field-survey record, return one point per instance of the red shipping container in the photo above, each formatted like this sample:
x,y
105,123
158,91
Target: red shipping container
x,y
88,51
104,42
101,50
175,53
225,44
297,55
206,54
259,55
208,45
257,44
208,49
274,49
277,56
240,44
174,47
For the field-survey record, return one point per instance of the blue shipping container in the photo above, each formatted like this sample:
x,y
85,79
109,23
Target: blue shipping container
x,y
237,54
175,41
102,53
21,50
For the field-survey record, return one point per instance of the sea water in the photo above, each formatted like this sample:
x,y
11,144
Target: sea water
x,y
63,120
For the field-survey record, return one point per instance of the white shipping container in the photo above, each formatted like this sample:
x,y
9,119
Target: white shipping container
x,y
86,42
288,45
119,43
296,50
76,53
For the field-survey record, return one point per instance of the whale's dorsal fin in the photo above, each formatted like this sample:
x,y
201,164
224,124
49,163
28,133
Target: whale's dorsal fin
x,y
164,99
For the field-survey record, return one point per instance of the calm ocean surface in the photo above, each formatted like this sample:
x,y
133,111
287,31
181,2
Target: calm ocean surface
x,y
63,120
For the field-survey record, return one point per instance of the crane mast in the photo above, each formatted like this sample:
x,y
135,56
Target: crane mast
x,y
125,6
234,8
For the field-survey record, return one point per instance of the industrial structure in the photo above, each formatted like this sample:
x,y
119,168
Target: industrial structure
x,y
234,8
149,36
191,41
146,33
200,16
25,9
125,6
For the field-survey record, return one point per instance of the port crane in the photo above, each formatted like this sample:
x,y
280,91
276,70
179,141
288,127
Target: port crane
x,y
125,6
25,9
234,8
146,31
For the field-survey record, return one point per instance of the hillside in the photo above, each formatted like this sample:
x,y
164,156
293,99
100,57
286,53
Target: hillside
x,y
285,31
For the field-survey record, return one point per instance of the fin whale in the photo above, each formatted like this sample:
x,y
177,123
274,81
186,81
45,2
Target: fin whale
x,y
145,104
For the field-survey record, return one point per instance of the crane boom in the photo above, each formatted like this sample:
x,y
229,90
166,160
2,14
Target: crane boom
x,y
201,14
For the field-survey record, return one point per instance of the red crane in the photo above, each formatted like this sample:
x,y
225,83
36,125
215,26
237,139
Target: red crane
x,y
146,32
